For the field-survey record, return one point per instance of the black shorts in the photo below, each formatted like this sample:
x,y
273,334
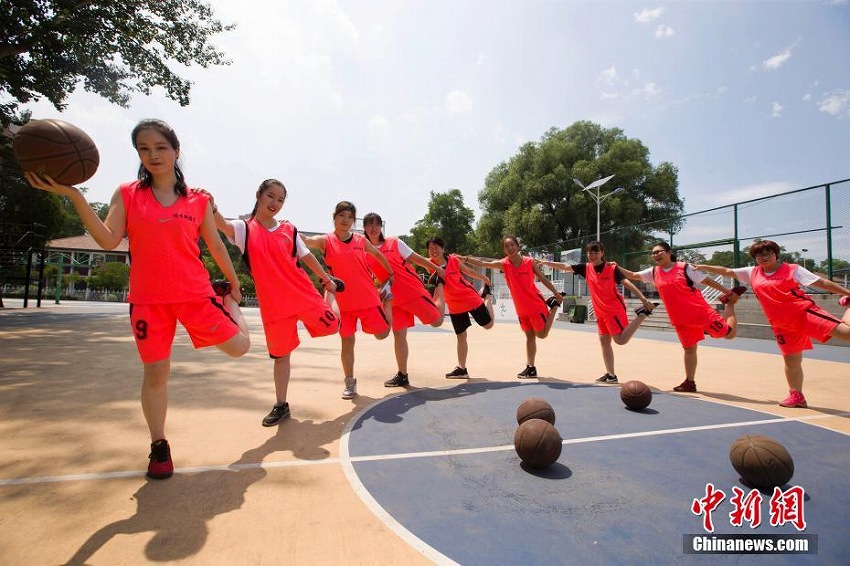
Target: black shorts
x,y
461,322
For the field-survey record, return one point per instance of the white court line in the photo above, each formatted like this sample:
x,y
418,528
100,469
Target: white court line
x,y
345,457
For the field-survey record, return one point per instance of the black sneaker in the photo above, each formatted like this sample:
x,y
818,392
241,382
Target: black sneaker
x,y
279,412
552,302
485,291
641,310
528,373
340,285
398,380
160,465
457,373
607,378
221,287
435,279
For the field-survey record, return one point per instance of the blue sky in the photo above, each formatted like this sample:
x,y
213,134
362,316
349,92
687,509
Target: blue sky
x,y
382,102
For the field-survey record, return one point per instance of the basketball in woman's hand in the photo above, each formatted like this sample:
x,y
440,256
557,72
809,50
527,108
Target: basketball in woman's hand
x,y
58,149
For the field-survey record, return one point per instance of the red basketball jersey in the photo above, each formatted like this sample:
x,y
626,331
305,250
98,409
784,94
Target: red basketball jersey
x,y
780,295
407,287
347,260
684,302
459,293
521,282
283,288
165,259
606,298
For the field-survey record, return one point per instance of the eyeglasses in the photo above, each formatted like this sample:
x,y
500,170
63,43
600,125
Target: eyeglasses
x,y
594,252
658,252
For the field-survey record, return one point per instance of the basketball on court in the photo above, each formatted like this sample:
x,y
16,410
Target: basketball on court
x,y
58,149
636,395
761,461
537,443
535,408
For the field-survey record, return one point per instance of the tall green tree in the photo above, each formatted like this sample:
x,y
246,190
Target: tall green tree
x,y
112,276
49,47
533,195
447,217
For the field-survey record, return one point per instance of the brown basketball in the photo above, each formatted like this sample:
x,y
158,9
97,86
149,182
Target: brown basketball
x,y
636,395
761,461
535,408
537,443
58,149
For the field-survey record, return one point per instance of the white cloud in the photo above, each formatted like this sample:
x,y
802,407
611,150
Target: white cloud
x,y
777,110
835,103
609,95
664,31
650,89
379,126
773,63
646,15
458,102
836,2
751,99
807,97
751,192
609,76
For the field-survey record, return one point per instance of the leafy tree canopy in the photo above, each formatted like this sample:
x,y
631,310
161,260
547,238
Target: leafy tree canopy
x,y
447,217
114,48
112,276
533,195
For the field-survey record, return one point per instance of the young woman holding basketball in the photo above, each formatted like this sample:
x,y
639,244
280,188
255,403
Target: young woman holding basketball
x,y
793,315
163,219
271,250
535,313
409,296
612,321
461,299
345,254
689,313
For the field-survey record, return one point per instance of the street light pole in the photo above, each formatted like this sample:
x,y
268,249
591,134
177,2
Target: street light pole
x,y
597,184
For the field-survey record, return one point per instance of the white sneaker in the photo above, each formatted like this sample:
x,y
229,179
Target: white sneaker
x,y
350,388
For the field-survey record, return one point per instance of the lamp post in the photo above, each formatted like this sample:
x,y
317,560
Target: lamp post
x,y
804,250
597,184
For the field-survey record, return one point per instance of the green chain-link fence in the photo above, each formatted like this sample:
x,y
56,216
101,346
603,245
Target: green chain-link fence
x,y
812,225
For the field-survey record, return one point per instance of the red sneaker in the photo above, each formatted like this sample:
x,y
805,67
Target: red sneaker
x,y
160,466
686,386
221,287
794,400
739,290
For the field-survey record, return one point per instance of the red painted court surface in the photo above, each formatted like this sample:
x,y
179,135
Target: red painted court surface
x,y
415,476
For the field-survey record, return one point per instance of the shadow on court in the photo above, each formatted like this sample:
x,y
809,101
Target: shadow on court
x,y
177,510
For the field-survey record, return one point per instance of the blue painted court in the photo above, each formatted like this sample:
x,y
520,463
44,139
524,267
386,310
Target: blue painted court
x,y
438,465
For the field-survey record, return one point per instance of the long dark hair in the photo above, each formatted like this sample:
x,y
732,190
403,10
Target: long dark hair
x,y
374,218
264,186
168,133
